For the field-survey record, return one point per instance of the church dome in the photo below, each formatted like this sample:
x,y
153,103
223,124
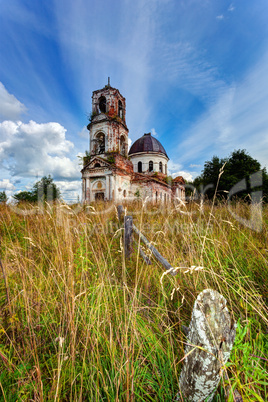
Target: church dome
x,y
148,144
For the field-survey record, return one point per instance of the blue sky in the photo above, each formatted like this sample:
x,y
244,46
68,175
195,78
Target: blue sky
x,y
193,72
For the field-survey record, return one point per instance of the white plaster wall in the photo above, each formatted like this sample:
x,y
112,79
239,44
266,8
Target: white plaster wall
x,y
112,135
95,130
145,158
122,183
164,194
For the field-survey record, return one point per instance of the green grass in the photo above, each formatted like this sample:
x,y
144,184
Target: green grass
x,y
84,325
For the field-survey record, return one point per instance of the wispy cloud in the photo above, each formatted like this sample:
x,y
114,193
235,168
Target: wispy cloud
x,y
231,7
10,107
238,119
117,46
220,17
173,166
185,65
193,165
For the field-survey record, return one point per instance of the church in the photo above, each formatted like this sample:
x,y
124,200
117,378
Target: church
x,y
111,172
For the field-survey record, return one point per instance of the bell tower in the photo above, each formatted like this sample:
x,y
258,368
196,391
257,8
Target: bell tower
x,y
108,131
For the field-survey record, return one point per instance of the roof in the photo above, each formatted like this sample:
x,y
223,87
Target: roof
x,y
179,179
147,143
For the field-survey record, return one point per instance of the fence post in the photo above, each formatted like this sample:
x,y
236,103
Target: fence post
x,y
154,251
120,212
128,232
210,340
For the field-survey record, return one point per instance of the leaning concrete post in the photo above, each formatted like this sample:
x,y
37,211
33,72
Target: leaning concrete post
x,y
210,340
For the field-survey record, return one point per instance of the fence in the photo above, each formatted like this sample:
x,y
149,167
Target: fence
x,y
210,335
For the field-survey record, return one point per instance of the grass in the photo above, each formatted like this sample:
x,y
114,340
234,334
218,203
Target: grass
x,y
82,324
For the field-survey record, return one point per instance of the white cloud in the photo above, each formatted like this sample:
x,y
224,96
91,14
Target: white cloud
x,y
231,7
129,143
70,190
7,187
175,170
173,166
36,149
10,107
186,175
220,17
153,132
5,184
84,133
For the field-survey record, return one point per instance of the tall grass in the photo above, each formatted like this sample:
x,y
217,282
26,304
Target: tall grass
x,y
81,324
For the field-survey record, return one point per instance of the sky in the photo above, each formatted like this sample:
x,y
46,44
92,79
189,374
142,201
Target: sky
x,y
194,74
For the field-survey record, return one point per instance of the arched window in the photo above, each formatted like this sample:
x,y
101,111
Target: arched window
x,y
124,193
160,167
151,166
166,169
102,104
122,146
120,109
97,165
100,143
140,167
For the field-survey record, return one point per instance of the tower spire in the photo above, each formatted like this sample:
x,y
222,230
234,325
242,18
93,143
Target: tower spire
x,y
108,81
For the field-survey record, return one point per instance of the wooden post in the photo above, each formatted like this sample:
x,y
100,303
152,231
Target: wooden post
x,y
120,212
154,251
5,281
145,257
209,343
128,234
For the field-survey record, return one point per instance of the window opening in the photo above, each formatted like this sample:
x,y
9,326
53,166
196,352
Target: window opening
x,y
120,109
100,143
122,145
102,104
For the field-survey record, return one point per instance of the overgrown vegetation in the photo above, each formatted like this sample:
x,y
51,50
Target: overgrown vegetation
x,y
237,167
43,190
3,197
80,324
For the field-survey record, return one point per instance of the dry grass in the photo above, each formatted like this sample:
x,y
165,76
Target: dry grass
x,y
83,325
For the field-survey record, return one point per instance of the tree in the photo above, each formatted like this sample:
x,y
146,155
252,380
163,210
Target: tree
x,y
3,197
26,196
46,190
43,190
207,182
240,165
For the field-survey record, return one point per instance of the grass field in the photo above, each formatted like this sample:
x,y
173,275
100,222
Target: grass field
x,y
77,323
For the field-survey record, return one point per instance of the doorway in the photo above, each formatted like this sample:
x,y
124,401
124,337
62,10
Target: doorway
x,y
99,197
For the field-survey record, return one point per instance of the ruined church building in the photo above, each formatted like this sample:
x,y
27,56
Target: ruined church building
x,y
110,171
